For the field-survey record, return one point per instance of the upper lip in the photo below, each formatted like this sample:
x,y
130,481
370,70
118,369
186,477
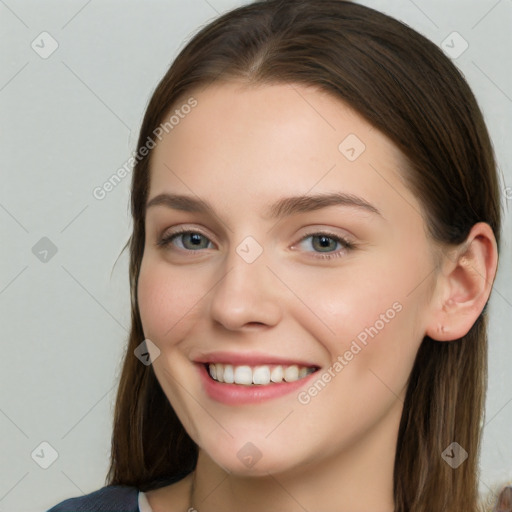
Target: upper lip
x,y
250,359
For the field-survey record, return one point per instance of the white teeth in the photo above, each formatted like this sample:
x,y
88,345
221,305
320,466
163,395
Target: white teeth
x,y
229,374
303,372
277,374
258,375
261,375
219,370
291,373
243,375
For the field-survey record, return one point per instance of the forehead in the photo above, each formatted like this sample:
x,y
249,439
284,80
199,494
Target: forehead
x,y
242,144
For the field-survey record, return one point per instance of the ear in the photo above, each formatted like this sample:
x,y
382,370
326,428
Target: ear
x,y
464,285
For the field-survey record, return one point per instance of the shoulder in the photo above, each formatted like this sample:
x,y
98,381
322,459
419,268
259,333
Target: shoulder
x,y
112,498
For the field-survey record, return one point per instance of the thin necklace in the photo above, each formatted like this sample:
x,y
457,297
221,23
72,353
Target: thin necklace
x,y
191,493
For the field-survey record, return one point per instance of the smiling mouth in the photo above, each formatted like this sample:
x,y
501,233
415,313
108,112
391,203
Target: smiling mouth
x,y
261,375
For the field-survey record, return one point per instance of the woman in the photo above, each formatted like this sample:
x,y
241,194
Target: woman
x,y
316,229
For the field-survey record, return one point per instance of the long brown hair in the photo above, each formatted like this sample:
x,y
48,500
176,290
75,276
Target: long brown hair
x,y
403,85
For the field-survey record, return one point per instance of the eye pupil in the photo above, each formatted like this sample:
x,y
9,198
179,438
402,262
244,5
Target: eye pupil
x,y
195,238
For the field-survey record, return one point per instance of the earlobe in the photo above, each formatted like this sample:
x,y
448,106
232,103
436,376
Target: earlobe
x,y
466,284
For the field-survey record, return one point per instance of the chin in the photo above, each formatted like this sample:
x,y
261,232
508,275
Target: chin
x,y
259,469
247,459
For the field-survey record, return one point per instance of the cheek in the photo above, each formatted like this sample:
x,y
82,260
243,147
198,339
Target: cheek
x,y
166,300
366,314
346,300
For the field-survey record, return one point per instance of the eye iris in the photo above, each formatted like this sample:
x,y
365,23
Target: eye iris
x,y
195,240
326,243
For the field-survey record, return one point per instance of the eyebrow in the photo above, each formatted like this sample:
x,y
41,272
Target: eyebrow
x,y
281,208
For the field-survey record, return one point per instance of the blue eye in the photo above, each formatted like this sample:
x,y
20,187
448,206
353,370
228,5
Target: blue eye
x,y
327,245
190,240
323,243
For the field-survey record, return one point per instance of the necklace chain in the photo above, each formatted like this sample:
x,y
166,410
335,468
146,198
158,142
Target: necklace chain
x,y
191,494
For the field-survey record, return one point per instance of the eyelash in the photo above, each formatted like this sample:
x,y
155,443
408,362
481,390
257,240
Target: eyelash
x,y
346,245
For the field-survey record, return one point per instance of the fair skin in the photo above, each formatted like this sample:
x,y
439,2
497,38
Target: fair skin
x,y
241,149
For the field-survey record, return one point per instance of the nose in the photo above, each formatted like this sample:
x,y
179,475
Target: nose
x,y
247,296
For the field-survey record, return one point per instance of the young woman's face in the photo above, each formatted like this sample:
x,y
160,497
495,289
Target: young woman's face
x,y
311,256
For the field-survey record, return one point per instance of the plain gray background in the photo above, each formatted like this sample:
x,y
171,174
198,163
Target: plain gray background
x,y
68,122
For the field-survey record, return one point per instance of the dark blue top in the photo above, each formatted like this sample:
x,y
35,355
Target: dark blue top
x,y
112,498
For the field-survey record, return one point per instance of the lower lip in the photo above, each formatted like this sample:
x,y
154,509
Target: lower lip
x,y
238,394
